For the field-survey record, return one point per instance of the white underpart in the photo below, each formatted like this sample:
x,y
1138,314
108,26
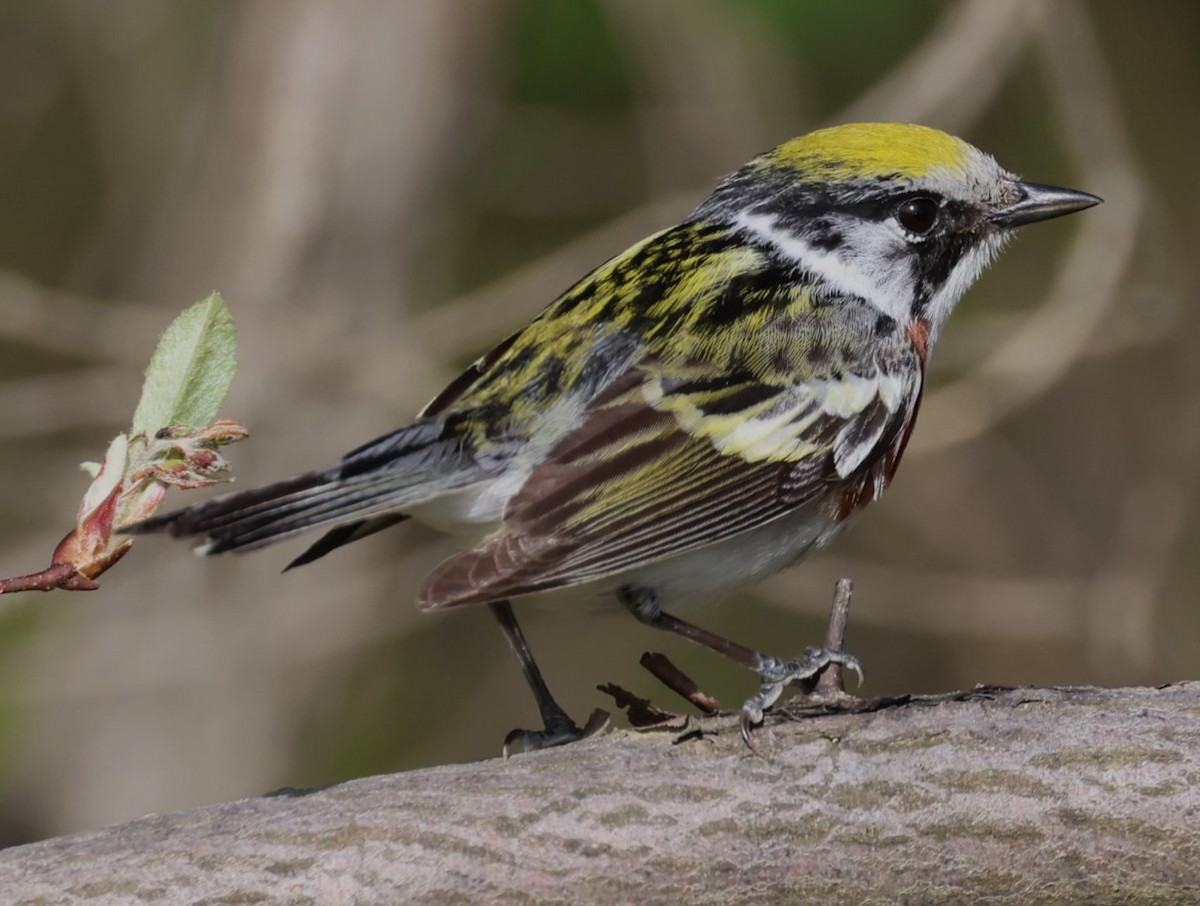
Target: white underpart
x,y
709,572
471,513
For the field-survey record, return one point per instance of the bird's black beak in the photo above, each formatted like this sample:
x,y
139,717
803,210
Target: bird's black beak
x,y
1036,202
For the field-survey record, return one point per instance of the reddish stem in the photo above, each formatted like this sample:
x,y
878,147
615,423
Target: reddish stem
x,y
57,575
678,681
830,682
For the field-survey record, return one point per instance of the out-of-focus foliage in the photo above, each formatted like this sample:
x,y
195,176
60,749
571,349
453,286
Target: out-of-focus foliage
x,y
383,190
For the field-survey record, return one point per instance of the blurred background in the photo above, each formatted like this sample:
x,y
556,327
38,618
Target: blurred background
x,y
383,189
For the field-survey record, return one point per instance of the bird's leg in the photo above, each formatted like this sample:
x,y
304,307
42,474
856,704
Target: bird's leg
x,y
775,673
559,728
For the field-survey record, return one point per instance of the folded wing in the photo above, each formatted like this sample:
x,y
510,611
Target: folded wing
x,y
679,458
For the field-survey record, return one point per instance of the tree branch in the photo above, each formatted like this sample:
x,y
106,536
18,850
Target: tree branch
x,y
1073,795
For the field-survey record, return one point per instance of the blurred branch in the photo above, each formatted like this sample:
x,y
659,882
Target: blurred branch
x,y
64,400
695,98
953,74
1157,501
476,320
1122,333
72,325
948,797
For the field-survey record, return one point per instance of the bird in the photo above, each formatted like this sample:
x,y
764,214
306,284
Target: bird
x,y
697,413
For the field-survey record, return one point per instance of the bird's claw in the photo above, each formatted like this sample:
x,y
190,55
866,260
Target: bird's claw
x,y
777,675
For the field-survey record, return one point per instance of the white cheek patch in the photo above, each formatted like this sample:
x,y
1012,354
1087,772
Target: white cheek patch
x,y
863,266
825,264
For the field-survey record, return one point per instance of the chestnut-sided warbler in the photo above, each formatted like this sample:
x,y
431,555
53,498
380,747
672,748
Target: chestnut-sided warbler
x,y
695,414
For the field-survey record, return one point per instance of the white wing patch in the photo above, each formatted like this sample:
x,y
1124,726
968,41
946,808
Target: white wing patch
x,y
847,397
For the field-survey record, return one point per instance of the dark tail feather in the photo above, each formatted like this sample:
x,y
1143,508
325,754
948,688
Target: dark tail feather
x,y
248,519
344,534
369,485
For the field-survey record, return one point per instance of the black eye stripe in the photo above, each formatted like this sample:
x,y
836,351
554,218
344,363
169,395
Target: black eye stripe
x,y
823,219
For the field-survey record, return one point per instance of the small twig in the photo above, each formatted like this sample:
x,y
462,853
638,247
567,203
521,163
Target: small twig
x,y
830,681
641,712
57,575
677,681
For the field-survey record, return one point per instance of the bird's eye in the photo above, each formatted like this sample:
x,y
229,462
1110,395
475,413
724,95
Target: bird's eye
x,y
918,215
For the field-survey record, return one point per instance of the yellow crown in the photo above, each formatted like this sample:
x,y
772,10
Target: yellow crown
x,y
859,150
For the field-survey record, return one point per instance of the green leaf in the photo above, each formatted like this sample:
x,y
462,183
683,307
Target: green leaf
x,y
191,371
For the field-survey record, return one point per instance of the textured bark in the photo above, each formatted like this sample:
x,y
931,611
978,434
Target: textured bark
x,y
1075,795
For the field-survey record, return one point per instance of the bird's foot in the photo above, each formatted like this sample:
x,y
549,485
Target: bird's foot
x,y
777,675
559,731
